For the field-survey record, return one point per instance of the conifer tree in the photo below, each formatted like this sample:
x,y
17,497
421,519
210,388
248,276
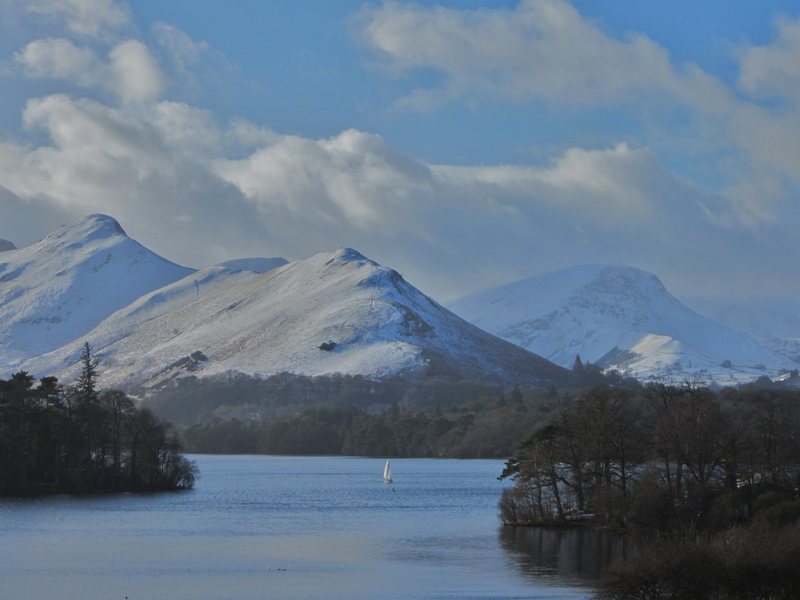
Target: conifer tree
x,y
86,386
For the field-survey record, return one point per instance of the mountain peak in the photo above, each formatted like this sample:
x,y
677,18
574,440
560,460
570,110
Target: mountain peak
x,y
349,255
620,317
5,245
622,277
101,220
57,289
343,257
88,228
590,274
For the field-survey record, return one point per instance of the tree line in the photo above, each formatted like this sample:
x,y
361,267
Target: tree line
x,y
607,449
78,439
709,479
486,428
190,400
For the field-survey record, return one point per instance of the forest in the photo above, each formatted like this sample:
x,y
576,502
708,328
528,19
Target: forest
x,y
354,415
78,439
489,428
189,401
707,481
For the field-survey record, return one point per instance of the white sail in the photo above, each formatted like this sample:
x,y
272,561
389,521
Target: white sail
x,y
387,473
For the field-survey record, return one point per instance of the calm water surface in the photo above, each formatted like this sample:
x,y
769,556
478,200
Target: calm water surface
x,y
293,527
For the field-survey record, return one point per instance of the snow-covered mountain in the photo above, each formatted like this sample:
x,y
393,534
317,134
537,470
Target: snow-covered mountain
x,y
335,312
619,318
5,246
774,325
56,290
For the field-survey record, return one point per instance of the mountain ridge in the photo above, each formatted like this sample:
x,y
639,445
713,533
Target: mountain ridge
x,y
334,312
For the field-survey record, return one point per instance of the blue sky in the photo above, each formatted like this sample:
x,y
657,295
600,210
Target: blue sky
x,y
464,143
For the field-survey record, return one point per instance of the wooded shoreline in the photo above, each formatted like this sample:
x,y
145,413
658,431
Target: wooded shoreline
x,y
79,440
711,478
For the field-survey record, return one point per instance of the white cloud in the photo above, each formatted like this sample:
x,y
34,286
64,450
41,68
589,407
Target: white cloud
x,y
452,229
59,58
187,129
193,65
138,76
546,51
543,49
182,50
92,145
774,70
101,19
605,185
353,177
131,74
199,191
113,160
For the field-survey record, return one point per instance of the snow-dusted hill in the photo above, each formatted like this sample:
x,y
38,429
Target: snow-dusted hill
x,y
336,312
774,325
54,291
620,318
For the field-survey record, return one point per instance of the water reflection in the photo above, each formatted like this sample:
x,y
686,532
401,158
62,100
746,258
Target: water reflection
x,y
576,556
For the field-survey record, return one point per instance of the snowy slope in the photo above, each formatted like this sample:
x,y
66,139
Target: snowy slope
x,y
56,290
620,318
221,319
774,325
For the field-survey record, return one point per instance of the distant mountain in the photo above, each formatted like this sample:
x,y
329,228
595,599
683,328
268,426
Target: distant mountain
x,y
620,318
56,290
336,312
5,245
774,325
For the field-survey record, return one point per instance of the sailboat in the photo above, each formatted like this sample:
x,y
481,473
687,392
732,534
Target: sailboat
x,y
387,473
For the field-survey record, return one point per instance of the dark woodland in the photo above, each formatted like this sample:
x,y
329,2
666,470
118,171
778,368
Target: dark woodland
x,y
78,439
707,482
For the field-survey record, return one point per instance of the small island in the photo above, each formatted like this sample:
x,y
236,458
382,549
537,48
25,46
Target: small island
x,y
80,440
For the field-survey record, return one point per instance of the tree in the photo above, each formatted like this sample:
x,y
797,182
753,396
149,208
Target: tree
x,y
86,386
537,472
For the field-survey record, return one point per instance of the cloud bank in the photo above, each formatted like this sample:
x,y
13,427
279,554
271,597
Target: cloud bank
x,y
200,190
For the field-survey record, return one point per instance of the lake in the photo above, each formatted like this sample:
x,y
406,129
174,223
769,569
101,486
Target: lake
x,y
295,527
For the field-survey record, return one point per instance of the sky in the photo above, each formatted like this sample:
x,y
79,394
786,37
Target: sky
x,y
466,144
